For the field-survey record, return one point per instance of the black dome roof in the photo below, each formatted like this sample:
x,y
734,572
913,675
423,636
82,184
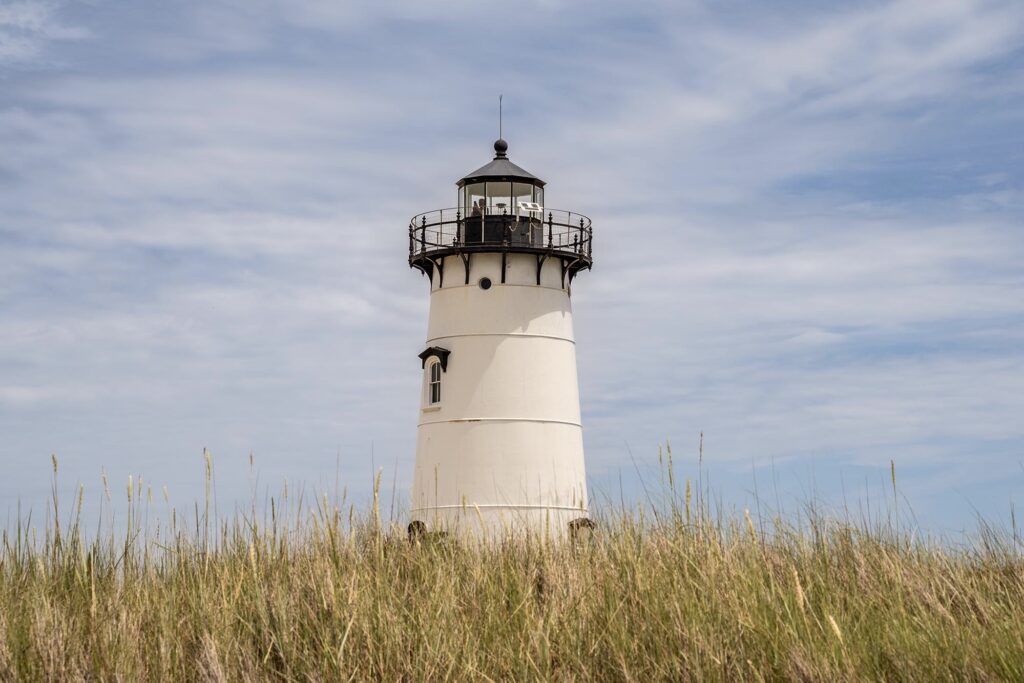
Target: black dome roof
x,y
500,168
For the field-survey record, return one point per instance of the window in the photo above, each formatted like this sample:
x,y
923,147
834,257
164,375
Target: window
x,y
434,383
521,192
499,198
434,362
473,199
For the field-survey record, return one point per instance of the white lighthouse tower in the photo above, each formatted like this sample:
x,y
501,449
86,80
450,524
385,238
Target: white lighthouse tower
x,y
500,446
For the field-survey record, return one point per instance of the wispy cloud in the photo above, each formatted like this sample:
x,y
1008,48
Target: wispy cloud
x,y
27,27
807,226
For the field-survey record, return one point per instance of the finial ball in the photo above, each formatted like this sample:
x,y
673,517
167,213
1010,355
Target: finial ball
x,y
500,147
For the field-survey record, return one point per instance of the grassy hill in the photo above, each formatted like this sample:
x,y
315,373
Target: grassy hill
x,y
683,595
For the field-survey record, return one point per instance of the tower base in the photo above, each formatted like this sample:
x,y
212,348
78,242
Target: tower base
x,y
497,523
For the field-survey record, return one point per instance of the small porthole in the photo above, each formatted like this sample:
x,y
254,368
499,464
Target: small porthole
x,y
485,283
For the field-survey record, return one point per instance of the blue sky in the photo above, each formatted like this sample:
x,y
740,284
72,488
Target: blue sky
x,y
808,238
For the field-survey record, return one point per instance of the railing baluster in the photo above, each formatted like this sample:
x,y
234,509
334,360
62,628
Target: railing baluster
x,y
575,232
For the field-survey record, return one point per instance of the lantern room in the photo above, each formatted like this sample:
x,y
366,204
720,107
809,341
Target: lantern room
x,y
500,209
501,188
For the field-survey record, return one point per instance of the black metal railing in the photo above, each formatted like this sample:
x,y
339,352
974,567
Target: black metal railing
x,y
561,233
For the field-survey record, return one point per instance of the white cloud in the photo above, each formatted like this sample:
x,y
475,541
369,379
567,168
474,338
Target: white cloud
x,y
204,239
26,28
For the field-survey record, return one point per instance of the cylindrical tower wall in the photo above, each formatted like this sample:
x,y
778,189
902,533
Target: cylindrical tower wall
x,y
503,448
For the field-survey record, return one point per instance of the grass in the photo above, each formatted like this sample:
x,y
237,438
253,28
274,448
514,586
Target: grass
x,y
682,594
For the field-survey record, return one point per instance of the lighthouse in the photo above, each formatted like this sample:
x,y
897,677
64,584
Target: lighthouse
x,y
499,446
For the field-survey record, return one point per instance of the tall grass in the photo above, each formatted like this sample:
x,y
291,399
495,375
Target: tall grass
x,y
318,593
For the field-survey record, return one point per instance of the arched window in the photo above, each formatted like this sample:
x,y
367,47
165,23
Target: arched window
x,y
434,382
435,362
